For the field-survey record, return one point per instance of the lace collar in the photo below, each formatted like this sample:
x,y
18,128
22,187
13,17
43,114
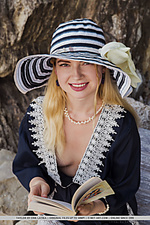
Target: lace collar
x,y
94,153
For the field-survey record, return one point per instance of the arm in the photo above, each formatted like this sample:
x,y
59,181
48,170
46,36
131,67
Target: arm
x,y
122,165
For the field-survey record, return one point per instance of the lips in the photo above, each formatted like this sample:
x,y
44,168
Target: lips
x,y
78,86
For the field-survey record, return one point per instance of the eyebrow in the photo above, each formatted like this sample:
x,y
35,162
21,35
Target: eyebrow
x,y
61,60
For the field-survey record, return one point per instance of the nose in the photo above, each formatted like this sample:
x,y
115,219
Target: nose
x,y
77,71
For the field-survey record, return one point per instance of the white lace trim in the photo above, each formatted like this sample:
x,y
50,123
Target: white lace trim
x,y
94,154
130,213
47,156
99,144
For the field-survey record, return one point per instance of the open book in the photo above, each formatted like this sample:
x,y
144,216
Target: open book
x,y
91,190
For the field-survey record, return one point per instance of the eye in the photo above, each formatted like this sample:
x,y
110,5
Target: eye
x,y
63,64
85,63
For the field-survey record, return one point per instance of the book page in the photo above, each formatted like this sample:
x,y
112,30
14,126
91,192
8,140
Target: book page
x,y
96,192
91,190
52,202
83,189
49,209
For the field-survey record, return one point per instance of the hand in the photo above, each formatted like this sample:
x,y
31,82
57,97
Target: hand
x,y
38,186
91,208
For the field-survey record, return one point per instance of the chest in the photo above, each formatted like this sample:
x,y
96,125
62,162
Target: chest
x,y
98,145
77,140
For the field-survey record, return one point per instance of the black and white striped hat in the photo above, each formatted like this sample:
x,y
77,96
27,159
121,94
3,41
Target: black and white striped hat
x,y
79,40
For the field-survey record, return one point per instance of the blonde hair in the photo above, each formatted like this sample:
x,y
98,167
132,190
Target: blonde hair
x,y
110,95
53,109
54,104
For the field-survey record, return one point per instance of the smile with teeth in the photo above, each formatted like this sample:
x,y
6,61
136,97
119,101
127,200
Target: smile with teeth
x,y
79,85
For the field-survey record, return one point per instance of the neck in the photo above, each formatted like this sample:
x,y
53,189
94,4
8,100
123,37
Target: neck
x,y
81,109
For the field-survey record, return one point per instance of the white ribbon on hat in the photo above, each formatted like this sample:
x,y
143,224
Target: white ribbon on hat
x,y
120,55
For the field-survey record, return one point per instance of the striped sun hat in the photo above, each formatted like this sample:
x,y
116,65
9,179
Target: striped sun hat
x,y
79,40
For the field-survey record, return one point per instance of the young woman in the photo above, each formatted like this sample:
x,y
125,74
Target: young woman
x,y
82,127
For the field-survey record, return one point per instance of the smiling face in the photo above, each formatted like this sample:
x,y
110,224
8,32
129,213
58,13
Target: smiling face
x,y
78,79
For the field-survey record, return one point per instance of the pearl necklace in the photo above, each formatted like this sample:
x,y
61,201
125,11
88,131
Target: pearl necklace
x,y
82,122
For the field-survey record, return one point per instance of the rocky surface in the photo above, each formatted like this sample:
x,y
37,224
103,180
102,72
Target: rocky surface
x,y
13,198
26,28
143,112
143,195
12,109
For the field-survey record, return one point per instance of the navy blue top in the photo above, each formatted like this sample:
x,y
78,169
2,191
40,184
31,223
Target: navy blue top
x,y
121,167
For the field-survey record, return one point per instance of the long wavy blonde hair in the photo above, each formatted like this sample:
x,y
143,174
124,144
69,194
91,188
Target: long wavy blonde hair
x,y
54,104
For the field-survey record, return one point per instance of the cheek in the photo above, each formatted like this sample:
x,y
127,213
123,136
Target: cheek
x,y
62,80
58,74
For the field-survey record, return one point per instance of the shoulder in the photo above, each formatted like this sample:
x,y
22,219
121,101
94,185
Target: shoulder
x,y
36,103
35,108
34,112
123,114
128,120
126,135
127,126
119,113
124,119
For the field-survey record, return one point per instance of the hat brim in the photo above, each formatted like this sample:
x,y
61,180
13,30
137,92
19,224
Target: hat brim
x,y
33,71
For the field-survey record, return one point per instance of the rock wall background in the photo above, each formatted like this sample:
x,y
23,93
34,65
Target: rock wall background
x,y
26,28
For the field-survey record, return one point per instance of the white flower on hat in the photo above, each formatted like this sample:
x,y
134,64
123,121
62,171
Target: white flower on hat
x,y
120,55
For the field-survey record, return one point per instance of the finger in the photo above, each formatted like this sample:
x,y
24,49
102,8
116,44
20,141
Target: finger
x,y
35,190
84,209
81,210
45,190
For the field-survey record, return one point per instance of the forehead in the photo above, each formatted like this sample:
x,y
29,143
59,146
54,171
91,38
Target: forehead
x,y
71,61
75,61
